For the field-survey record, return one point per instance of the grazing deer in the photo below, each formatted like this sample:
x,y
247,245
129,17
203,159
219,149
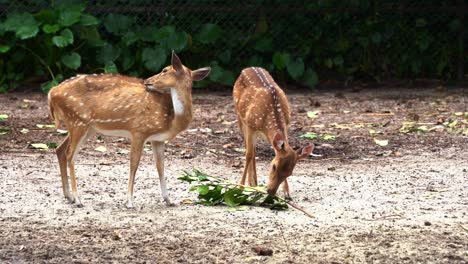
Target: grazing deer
x,y
155,109
263,111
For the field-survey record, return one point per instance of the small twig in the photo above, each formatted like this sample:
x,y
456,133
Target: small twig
x,y
385,217
293,205
282,235
464,227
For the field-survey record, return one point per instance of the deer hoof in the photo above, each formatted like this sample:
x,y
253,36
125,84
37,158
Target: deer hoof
x,y
288,197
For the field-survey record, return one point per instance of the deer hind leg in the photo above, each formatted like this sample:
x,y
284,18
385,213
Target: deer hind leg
x,y
135,156
62,158
158,154
77,136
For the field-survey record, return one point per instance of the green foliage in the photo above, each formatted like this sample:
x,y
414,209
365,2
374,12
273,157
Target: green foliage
x,y
213,191
66,38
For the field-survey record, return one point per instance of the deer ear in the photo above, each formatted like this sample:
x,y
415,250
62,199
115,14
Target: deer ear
x,y
304,152
176,63
200,74
278,141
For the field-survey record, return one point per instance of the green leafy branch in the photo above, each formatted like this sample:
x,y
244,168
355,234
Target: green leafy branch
x,y
213,191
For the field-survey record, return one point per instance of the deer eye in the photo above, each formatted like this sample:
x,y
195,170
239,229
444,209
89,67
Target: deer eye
x,y
164,70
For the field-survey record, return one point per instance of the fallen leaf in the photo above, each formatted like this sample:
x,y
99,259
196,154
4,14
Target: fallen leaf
x,y
262,251
187,201
45,126
382,143
228,145
372,132
458,113
117,235
24,130
101,149
4,130
309,135
331,168
3,117
329,137
29,101
62,132
241,150
122,151
312,114
346,111
453,123
40,146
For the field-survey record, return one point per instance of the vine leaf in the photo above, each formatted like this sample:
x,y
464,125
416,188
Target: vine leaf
x,y
23,24
72,60
64,39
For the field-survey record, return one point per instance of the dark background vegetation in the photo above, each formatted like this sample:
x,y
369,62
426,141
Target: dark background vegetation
x,y
300,42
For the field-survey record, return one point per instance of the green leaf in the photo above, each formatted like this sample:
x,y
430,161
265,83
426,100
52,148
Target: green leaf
x,y
72,60
4,48
281,60
45,87
311,78
153,58
129,38
118,24
338,60
208,33
92,35
312,114
108,54
203,189
88,20
177,41
110,67
329,63
376,38
225,56
23,24
296,68
163,33
329,137
65,38
68,17
49,29
234,197
3,117
264,44
309,135
45,126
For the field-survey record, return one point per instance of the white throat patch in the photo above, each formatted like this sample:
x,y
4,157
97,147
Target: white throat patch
x,y
178,106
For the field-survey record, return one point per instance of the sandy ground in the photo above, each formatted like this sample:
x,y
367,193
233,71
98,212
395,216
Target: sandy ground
x,y
403,203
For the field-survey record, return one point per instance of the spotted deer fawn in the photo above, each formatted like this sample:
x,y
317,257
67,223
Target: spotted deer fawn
x,y
263,112
155,109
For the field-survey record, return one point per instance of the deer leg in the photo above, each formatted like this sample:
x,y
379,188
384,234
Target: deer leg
x,y
158,154
249,155
253,166
135,156
62,158
76,136
286,190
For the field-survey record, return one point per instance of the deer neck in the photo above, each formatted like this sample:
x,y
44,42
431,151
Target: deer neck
x,y
182,104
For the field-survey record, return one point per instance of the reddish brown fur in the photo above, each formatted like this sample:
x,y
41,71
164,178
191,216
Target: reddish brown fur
x,y
123,106
263,111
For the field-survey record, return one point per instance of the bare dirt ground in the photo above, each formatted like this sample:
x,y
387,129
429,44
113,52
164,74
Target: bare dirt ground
x,y
405,202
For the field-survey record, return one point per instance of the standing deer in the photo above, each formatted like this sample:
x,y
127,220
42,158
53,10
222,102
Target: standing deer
x,y
263,111
117,105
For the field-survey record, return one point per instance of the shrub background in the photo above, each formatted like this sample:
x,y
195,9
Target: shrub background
x,y
301,42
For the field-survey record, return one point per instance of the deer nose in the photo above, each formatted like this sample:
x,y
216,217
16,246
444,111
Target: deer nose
x,y
271,191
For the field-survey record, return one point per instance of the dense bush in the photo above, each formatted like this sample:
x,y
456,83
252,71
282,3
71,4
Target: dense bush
x,y
370,41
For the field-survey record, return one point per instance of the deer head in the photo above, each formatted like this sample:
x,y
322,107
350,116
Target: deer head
x,y
175,76
284,162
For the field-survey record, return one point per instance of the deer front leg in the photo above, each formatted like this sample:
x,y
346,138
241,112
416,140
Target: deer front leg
x,y
158,154
287,196
135,156
249,158
62,158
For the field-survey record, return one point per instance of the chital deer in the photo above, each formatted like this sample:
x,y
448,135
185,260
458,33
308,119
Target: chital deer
x,y
155,109
263,111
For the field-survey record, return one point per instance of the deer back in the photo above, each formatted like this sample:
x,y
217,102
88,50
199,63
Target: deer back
x,y
260,103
